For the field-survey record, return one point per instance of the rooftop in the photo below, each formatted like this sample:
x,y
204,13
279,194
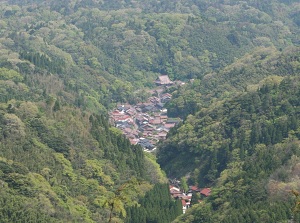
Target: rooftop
x,y
205,192
163,80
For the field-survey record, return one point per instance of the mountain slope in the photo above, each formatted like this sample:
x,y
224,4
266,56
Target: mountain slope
x,y
61,164
245,74
246,147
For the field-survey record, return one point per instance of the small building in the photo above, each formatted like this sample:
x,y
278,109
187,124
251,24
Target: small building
x,y
165,99
146,144
169,125
164,117
153,99
149,108
160,105
128,130
175,192
147,127
116,114
155,121
131,112
133,141
194,189
163,80
185,205
162,135
173,120
123,108
206,192
125,118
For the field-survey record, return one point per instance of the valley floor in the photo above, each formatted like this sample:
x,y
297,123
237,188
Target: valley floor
x,y
145,123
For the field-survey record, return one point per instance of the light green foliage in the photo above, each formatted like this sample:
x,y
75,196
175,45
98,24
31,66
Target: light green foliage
x,y
183,184
93,169
6,74
27,110
261,66
147,37
79,210
154,172
92,104
115,131
14,128
66,166
125,194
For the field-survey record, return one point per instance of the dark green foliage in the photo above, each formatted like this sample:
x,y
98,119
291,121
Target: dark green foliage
x,y
202,213
117,148
56,106
54,138
157,206
195,198
52,65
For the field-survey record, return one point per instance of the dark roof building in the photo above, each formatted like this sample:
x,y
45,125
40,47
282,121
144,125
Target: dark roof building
x,y
145,143
160,105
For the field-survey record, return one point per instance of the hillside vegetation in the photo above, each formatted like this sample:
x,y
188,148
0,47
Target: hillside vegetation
x,y
103,51
65,64
245,146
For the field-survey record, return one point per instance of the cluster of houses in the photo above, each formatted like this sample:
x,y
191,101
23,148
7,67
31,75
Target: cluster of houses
x,y
146,123
186,198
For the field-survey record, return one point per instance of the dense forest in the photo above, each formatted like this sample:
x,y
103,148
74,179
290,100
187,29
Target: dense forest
x,y
247,148
240,137
65,64
58,163
156,206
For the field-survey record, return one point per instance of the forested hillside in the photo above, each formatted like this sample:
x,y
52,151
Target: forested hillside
x,y
248,150
61,164
156,206
245,146
58,163
65,64
136,40
245,74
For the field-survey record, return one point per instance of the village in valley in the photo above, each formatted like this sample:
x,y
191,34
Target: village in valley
x,y
147,123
